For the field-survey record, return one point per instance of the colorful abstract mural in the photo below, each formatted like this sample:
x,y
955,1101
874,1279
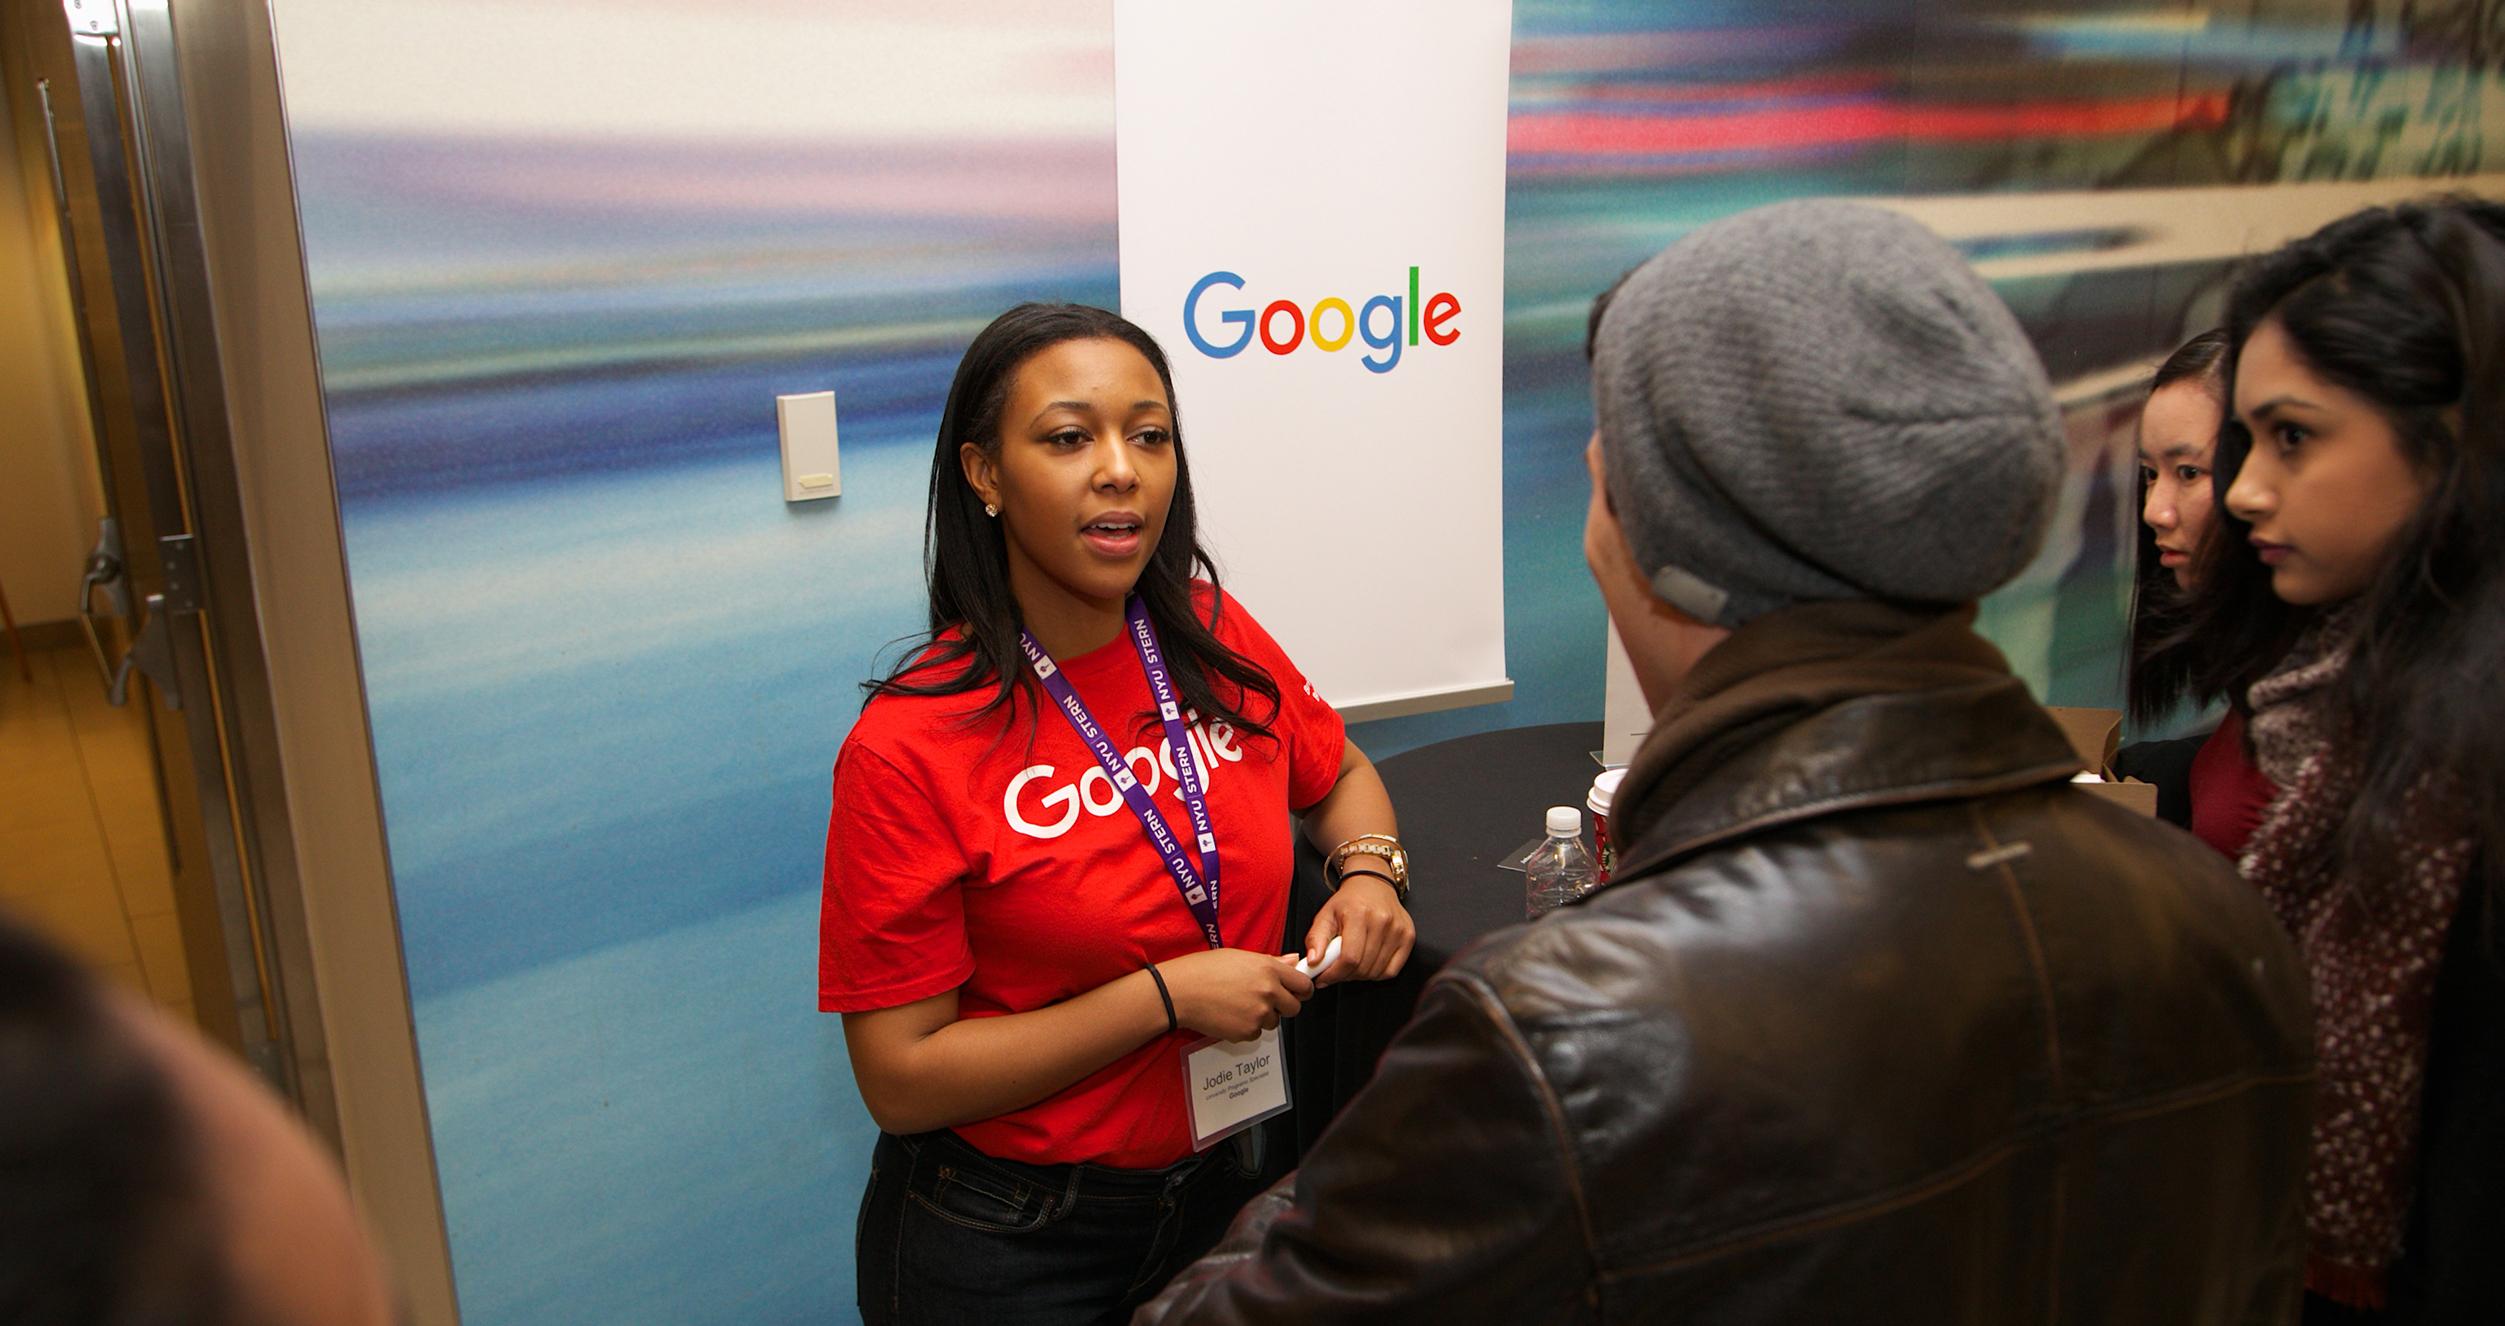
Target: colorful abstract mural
x,y
2078,153
607,667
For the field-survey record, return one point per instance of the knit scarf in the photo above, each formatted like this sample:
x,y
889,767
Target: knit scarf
x,y
2372,941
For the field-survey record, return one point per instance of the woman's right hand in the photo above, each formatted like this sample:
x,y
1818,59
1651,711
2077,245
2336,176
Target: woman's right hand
x,y
1233,994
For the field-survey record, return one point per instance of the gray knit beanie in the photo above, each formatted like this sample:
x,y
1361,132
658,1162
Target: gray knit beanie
x,y
1820,400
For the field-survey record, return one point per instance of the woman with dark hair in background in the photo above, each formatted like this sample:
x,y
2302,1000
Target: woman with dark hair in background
x,y
1024,924
2368,376
2206,783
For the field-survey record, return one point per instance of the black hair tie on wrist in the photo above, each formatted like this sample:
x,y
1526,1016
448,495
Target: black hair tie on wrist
x,y
1360,870
1162,996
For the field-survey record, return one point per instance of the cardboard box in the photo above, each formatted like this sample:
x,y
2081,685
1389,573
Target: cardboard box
x,y
2095,734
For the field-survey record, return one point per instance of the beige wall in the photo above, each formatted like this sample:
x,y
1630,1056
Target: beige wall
x,y
49,494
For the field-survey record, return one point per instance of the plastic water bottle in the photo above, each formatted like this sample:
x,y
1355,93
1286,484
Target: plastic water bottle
x,y
1560,870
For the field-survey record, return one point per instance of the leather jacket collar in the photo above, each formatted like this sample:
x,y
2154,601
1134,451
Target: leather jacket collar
x,y
1875,750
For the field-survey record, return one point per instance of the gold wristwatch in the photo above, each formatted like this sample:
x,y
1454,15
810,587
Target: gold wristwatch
x,y
1381,845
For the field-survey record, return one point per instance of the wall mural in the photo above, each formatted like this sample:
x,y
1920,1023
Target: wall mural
x,y
1634,124
608,668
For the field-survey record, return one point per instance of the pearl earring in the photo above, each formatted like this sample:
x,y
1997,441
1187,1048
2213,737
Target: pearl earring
x,y
990,510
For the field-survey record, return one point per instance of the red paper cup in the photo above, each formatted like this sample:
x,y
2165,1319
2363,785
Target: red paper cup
x,y
1604,791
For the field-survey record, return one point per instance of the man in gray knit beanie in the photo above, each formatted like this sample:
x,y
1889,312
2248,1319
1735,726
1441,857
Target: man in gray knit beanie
x,y
1819,400
1878,1018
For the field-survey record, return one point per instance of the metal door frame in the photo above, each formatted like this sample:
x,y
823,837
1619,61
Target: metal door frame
x,y
169,363
263,656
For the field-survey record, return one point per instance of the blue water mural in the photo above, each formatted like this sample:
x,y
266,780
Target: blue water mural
x,y
662,1130
607,667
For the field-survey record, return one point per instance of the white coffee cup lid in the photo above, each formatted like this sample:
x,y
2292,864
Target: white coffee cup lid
x,y
1605,790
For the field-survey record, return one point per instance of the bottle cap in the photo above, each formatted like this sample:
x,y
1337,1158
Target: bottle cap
x,y
1564,822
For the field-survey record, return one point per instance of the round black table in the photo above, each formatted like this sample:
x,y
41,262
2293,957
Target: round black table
x,y
1464,805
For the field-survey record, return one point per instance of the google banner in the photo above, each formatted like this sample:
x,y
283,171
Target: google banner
x,y
1312,224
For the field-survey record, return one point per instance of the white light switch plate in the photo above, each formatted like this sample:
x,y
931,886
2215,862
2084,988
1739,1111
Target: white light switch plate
x,y
807,423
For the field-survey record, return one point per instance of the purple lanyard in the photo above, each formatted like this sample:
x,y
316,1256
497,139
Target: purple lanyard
x,y
1199,887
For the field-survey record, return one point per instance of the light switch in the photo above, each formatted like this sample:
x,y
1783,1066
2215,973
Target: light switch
x,y
807,423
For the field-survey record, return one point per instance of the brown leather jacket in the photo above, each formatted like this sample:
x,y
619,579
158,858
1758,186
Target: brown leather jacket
x,y
1882,1023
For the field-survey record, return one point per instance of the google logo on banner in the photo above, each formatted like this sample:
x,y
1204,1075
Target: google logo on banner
x,y
1385,323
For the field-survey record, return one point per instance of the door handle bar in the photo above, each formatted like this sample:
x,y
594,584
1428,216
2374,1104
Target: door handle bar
x,y
105,571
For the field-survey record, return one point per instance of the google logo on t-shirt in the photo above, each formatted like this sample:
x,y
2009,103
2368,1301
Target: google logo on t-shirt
x,y
1385,322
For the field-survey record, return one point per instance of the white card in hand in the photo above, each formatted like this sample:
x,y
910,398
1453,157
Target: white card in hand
x,y
1330,954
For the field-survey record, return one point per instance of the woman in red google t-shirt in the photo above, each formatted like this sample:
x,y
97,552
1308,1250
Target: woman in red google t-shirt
x,y
1059,858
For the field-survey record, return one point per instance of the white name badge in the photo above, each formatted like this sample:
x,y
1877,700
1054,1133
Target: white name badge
x,y
1233,1085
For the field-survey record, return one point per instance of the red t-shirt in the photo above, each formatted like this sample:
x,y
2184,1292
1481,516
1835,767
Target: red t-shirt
x,y
998,861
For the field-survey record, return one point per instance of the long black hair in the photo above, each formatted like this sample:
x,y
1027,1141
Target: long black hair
x,y
974,618
2405,306
2167,664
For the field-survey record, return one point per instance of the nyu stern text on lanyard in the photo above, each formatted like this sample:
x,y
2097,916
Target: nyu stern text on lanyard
x,y
1228,1085
1198,882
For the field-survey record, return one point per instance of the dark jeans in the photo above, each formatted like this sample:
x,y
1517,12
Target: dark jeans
x,y
950,1235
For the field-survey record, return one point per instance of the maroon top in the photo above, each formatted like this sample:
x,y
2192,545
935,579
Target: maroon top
x,y
2229,795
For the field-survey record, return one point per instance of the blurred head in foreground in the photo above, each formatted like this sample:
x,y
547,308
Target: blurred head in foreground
x,y
147,1179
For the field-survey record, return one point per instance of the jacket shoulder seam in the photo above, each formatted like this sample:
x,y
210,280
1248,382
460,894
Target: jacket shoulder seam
x,y
2042,970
